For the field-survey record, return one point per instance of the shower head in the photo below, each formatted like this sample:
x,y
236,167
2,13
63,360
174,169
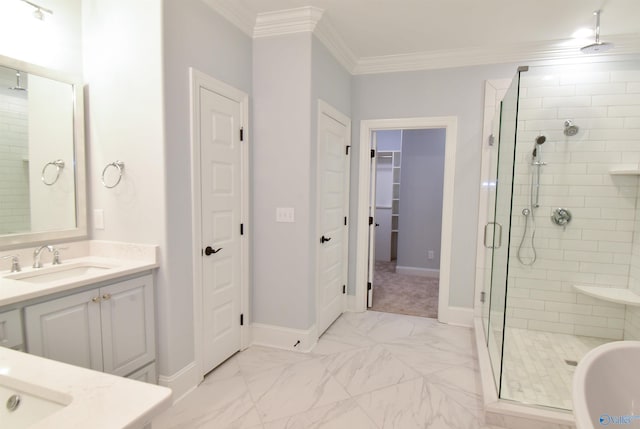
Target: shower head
x,y
597,46
570,130
18,86
540,140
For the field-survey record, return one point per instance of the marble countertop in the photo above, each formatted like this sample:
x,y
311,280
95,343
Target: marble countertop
x,y
94,399
122,259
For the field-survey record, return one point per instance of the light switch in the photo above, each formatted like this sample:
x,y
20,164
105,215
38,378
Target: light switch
x,y
285,214
98,219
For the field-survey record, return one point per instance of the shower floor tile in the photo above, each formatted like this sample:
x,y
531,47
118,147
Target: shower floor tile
x,y
535,368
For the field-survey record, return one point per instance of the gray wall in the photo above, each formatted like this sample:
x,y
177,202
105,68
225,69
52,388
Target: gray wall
x,y
194,36
421,181
290,74
451,92
282,156
388,140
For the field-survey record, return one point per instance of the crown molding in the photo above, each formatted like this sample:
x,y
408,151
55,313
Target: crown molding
x,y
330,38
554,50
233,12
289,21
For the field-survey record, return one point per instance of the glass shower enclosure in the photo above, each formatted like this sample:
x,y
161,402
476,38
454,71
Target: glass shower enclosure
x,y
563,232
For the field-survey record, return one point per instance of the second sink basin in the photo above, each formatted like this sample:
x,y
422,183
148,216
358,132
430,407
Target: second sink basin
x,y
60,272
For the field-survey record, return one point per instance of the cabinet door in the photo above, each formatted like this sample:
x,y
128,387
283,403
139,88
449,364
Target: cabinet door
x,y
67,330
11,329
128,337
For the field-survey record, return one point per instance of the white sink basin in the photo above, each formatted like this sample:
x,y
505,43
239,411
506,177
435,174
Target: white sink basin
x,y
606,387
34,404
59,272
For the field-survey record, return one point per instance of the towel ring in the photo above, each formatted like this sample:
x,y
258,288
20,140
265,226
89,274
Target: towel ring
x,y
58,164
118,165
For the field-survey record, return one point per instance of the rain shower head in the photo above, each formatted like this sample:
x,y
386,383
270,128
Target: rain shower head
x,y
598,46
570,130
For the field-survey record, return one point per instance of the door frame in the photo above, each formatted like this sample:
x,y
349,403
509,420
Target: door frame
x,y
198,80
330,111
446,314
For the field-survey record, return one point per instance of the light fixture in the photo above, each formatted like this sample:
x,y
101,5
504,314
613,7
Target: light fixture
x,y
40,11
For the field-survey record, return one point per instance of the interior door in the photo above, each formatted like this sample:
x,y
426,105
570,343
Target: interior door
x,y
333,210
372,222
221,213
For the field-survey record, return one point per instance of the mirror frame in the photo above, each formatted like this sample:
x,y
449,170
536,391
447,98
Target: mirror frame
x,y
12,241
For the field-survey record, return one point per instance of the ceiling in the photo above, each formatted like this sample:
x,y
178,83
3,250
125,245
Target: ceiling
x,y
382,28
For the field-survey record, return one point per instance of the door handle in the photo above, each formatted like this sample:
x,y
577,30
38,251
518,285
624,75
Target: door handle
x,y
324,239
493,245
210,251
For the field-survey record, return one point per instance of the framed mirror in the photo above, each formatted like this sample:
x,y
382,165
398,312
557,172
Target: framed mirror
x,y
42,156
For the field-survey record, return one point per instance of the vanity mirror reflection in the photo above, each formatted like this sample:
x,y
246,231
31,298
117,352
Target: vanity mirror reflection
x,y
42,174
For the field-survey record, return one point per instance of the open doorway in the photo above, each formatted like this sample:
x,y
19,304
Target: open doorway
x,y
406,198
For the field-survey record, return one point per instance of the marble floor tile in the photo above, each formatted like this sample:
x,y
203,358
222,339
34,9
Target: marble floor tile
x,y
340,337
416,404
257,358
383,327
367,369
339,415
289,390
226,402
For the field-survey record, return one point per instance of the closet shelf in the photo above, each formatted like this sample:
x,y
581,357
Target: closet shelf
x,y
611,294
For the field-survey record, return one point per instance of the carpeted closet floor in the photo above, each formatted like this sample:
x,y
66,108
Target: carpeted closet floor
x,y
404,294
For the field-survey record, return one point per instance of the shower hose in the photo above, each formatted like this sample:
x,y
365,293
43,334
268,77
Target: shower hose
x,y
528,213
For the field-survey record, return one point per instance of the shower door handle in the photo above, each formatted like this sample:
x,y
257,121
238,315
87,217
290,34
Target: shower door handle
x,y
493,245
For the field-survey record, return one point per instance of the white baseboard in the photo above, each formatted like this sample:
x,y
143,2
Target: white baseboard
x,y
417,271
284,338
182,382
460,316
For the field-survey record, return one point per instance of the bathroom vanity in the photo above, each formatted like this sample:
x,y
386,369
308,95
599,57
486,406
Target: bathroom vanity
x,y
93,310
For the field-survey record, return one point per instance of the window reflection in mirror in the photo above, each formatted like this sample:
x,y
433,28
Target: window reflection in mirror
x,y
38,165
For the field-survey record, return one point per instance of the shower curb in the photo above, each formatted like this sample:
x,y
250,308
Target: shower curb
x,y
507,414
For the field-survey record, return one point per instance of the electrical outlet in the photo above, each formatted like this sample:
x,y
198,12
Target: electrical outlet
x,y
431,255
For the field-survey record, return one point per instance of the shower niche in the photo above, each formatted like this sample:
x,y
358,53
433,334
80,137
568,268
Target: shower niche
x,y
563,221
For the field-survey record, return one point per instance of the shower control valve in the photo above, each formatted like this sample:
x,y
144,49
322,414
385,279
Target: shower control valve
x,y
561,217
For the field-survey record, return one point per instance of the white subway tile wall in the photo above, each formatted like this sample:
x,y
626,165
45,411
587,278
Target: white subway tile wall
x,y
601,244
14,166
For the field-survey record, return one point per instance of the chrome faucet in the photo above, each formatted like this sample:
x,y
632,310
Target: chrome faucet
x,y
15,262
36,255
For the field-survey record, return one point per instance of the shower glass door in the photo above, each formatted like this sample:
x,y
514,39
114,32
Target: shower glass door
x,y
498,230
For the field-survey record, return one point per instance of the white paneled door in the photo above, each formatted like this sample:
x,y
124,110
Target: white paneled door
x,y
334,132
220,163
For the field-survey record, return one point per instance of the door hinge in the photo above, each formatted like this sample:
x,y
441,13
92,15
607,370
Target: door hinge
x,y
242,229
242,134
345,220
369,286
347,151
242,320
344,289
483,296
373,153
370,220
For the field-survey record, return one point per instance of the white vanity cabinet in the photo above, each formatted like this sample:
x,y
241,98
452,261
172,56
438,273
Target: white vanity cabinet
x,y
109,329
11,330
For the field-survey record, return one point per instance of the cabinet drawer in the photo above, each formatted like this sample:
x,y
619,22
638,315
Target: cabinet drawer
x,y
11,329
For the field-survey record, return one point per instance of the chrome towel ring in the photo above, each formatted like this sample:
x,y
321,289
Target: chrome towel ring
x,y
119,165
58,164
